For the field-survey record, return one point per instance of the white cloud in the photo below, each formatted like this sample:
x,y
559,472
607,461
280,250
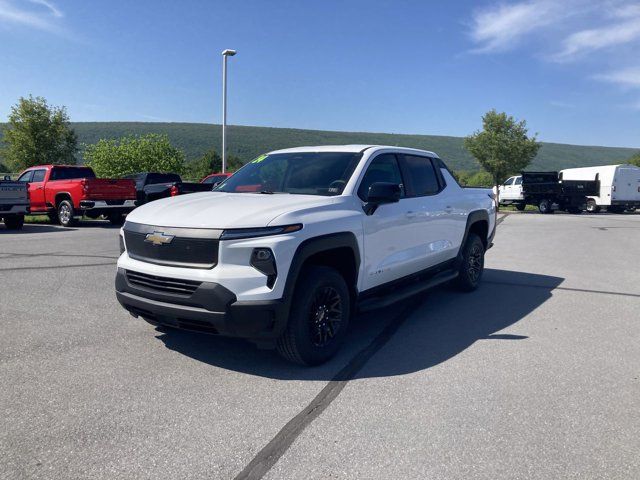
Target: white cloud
x,y
498,28
589,40
34,16
628,77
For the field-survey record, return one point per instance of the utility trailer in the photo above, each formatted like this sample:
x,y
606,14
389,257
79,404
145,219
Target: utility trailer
x,y
549,192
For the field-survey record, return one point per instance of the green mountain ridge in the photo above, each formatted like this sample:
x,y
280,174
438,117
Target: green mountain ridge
x,y
248,142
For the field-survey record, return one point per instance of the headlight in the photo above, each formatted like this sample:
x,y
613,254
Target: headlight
x,y
238,233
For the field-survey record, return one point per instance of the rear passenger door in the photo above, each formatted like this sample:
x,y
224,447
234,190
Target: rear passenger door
x,y
430,212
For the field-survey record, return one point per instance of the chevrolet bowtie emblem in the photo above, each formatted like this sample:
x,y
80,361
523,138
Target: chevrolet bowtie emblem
x,y
158,238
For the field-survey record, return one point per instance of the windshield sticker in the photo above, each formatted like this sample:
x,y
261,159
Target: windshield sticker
x,y
259,159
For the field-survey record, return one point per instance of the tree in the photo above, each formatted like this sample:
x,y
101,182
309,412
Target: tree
x,y
635,160
134,154
474,179
38,134
210,162
502,147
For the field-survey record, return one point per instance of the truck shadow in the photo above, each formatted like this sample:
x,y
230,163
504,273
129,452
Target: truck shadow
x,y
441,324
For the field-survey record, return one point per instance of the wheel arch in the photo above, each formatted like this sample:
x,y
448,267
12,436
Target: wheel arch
x,y
478,223
337,250
60,196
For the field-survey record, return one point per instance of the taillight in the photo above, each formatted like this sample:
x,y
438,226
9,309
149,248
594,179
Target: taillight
x,y
613,189
85,186
174,191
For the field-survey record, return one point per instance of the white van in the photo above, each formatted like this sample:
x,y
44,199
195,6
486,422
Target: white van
x,y
619,186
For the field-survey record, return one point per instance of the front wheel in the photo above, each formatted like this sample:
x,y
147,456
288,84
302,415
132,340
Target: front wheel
x,y
318,319
471,264
14,223
66,214
521,206
592,206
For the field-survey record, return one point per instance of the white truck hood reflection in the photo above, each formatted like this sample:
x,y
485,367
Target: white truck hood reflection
x,y
222,210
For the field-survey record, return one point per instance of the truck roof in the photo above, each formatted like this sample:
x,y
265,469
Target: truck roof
x,y
351,148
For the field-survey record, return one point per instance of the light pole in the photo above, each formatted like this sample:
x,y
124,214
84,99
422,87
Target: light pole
x,y
226,53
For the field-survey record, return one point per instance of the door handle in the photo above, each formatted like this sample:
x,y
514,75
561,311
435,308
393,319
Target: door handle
x,y
448,209
410,214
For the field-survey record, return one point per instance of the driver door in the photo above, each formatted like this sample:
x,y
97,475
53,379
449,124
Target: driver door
x,y
388,238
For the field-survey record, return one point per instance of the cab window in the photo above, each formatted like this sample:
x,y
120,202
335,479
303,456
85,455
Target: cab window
x,y
26,176
38,175
383,168
422,176
508,182
518,181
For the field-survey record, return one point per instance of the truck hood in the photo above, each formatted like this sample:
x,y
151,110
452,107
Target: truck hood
x,y
222,210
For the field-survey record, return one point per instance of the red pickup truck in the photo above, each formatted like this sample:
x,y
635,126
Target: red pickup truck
x,y
67,192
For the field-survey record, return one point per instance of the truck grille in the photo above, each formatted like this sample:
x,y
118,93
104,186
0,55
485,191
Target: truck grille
x,y
176,247
162,284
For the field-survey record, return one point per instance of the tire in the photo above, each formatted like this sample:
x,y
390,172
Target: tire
x,y
545,206
521,206
66,214
116,218
471,265
592,207
311,338
14,222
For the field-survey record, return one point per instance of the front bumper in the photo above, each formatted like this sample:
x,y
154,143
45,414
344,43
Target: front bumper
x,y
211,308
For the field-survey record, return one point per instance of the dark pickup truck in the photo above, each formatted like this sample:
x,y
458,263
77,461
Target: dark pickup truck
x,y
152,186
549,192
14,203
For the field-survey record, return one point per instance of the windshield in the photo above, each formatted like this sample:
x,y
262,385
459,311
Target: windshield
x,y
308,173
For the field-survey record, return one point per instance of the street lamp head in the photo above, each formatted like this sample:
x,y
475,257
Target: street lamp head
x,y
229,53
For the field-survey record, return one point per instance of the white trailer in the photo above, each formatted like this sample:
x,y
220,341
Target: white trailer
x,y
619,186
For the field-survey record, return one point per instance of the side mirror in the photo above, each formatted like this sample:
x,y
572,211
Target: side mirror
x,y
7,177
381,193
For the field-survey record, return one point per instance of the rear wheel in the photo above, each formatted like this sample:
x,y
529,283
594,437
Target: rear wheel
x,y
592,207
545,206
318,319
66,214
14,222
471,265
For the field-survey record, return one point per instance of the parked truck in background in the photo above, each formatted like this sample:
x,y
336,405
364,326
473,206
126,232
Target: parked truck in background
x,y
547,191
287,248
14,203
152,186
619,188
67,192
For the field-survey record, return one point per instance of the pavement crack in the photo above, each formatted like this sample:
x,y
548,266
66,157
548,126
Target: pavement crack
x,y
269,455
569,289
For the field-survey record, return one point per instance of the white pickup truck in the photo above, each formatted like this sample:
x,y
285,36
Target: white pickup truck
x,y
282,252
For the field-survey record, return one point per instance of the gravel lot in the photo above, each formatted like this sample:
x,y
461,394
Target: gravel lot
x,y
534,376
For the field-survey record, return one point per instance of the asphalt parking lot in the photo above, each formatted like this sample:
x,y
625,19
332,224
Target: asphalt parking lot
x,y
534,376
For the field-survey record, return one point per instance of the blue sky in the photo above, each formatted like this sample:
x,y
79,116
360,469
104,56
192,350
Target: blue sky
x,y
570,68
